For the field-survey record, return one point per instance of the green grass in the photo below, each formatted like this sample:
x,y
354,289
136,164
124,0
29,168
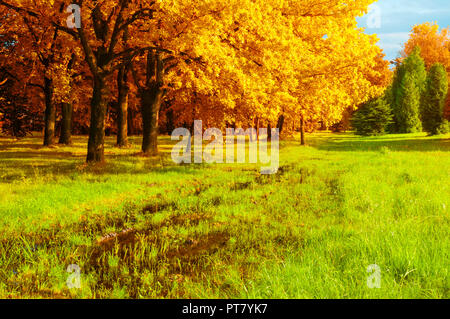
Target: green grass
x,y
225,231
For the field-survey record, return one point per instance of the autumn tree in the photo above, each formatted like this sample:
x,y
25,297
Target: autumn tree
x,y
123,94
151,93
434,45
17,116
43,44
305,61
99,34
66,96
230,63
184,32
380,76
19,112
337,58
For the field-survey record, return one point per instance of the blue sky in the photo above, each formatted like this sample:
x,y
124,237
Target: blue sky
x,y
397,17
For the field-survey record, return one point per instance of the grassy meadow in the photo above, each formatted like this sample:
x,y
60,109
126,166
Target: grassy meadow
x,y
142,227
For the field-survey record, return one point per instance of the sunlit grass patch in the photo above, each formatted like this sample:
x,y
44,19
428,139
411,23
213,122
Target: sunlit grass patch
x,y
142,227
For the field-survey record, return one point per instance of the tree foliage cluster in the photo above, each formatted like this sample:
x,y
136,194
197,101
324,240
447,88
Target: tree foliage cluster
x,y
373,117
139,64
418,95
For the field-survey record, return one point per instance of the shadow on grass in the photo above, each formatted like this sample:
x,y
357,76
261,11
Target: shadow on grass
x,y
24,158
402,143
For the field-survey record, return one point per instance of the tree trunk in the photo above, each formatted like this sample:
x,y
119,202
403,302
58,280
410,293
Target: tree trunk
x,y
151,102
130,123
65,136
151,95
50,113
122,117
302,131
170,122
257,128
280,123
96,152
66,124
252,127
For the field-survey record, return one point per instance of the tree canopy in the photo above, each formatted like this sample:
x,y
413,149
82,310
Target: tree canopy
x,y
234,62
434,44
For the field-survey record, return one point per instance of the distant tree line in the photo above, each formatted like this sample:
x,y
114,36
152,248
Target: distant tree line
x,y
417,99
147,66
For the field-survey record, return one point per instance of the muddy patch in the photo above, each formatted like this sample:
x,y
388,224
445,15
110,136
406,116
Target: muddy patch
x,y
241,186
205,245
187,219
158,207
123,242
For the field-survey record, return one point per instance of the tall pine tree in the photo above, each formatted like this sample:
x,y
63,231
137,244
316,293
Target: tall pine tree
x,y
407,90
433,103
408,105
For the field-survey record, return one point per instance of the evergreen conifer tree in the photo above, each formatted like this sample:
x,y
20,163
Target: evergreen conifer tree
x,y
407,89
373,117
433,103
408,104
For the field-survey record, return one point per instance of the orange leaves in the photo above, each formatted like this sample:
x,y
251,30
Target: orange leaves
x,y
331,70
434,45
434,48
226,60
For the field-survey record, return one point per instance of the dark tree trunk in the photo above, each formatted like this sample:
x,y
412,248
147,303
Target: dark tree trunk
x,y
252,136
50,113
101,61
257,128
151,95
65,136
96,152
302,131
66,124
130,122
170,122
122,116
151,102
280,123
269,133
